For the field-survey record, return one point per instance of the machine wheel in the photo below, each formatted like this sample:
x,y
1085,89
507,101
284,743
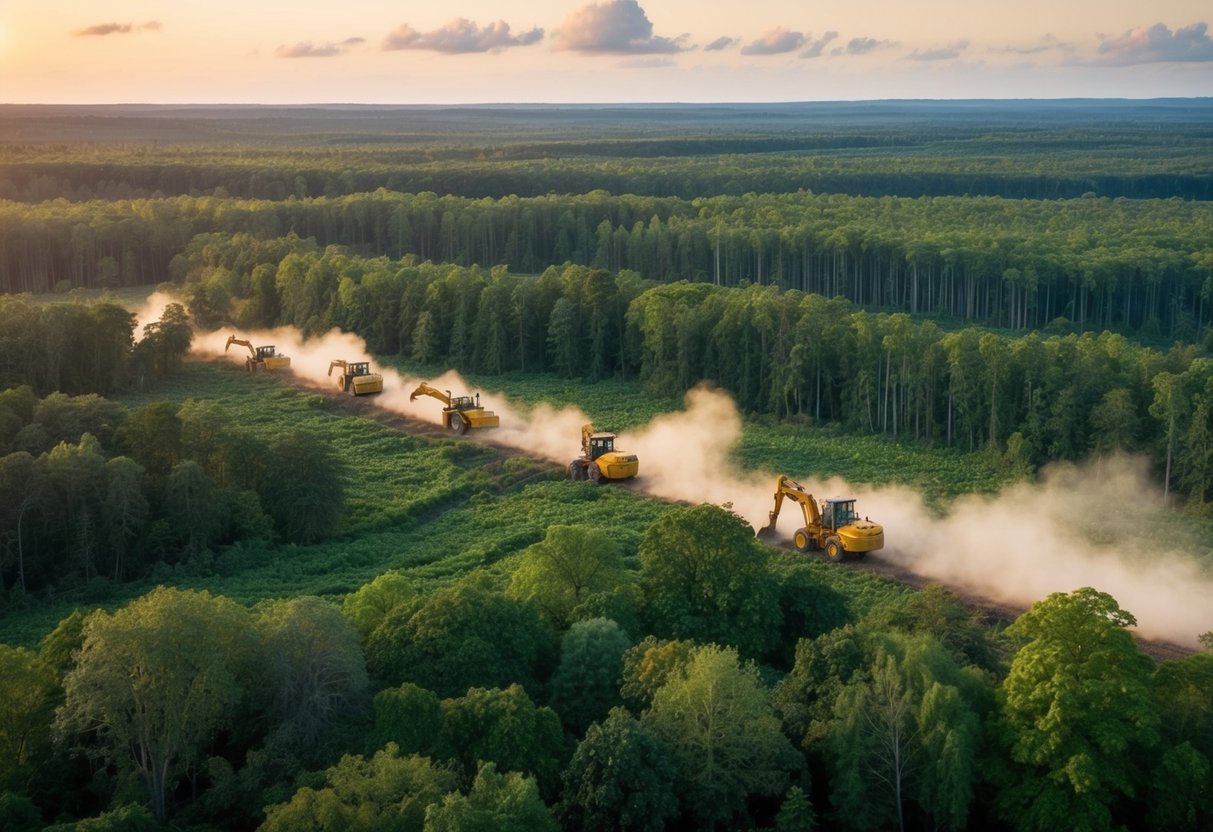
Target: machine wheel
x,y
594,473
341,383
801,540
458,423
834,550
575,471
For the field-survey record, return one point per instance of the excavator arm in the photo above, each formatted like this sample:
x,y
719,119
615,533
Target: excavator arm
x,y
340,362
232,339
793,490
424,389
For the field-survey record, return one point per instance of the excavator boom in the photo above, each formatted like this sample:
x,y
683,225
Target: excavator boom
x,y
785,487
424,389
232,339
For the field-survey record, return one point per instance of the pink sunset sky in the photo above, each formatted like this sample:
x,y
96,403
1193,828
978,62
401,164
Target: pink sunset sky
x,y
475,51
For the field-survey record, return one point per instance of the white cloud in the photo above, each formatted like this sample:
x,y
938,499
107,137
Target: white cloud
x,y
815,47
1157,44
617,27
461,36
720,44
307,49
102,29
776,41
943,53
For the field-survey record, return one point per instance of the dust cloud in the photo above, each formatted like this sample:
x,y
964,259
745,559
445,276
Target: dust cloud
x,y
151,311
1076,526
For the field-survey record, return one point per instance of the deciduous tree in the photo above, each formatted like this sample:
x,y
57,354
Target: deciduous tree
x,y
156,681
724,738
705,578
561,572
1077,716
621,778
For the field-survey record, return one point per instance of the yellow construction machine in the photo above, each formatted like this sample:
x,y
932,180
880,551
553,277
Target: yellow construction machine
x,y
834,527
459,413
356,377
260,358
599,461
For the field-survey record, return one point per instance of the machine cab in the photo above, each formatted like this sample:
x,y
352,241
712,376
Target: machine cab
x,y
838,513
265,352
601,443
464,402
360,368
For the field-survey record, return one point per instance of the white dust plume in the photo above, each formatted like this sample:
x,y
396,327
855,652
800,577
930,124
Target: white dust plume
x,y
151,311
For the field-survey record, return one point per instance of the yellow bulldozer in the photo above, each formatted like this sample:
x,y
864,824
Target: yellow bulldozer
x,y
832,527
599,461
459,413
260,358
356,377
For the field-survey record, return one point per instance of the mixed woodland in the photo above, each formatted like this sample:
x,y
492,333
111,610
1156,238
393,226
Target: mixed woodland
x,y
228,603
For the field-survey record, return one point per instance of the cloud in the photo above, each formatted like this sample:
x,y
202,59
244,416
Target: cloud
x,y
617,27
816,46
775,42
861,46
944,53
1157,44
102,29
307,49
1048,45
460,36
720,43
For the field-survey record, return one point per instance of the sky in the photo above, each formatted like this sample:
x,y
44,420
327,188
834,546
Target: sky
x,y
566,51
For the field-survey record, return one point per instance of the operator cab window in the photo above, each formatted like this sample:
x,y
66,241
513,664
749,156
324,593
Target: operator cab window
x,y
844,513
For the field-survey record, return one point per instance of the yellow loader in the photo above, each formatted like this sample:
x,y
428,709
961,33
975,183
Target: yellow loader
x,y
356,378
599,461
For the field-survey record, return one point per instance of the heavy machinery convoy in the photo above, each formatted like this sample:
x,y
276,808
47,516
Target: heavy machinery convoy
x,y
833,527
599,461
459,413
260,358
356,378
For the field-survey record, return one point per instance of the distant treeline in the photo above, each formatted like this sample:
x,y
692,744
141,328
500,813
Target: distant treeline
x,y
1032,398
1123,265
688,171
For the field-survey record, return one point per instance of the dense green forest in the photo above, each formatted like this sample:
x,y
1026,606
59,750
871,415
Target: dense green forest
x,y
229,603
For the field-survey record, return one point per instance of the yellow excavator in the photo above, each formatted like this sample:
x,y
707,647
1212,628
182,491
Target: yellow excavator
x,y
459,413
599,461
260,358
834,527
356,377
